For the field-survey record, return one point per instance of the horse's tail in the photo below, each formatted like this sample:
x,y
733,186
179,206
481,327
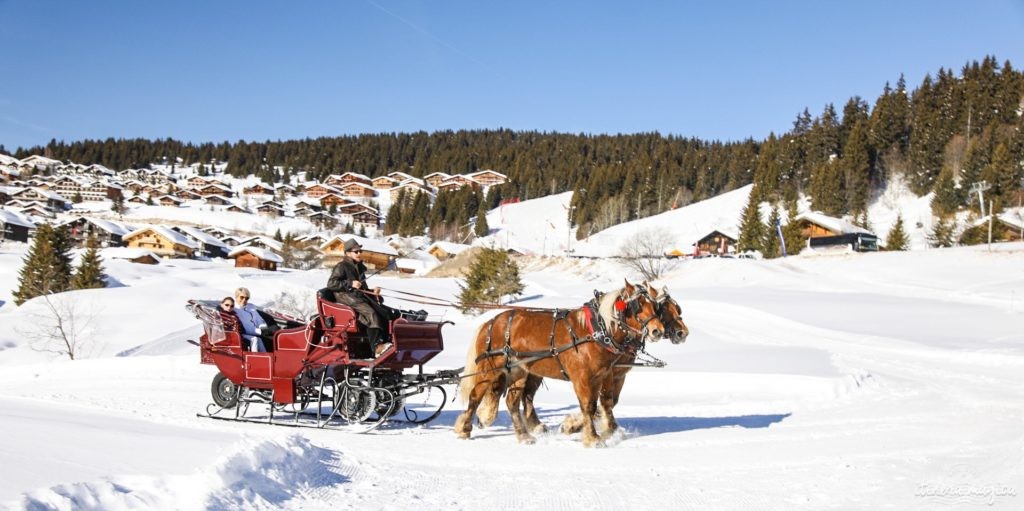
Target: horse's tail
x,y
469,381
488,409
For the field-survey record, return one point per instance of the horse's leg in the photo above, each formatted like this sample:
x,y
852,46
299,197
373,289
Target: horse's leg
x,y
512,401
530,387
484,384
609,398
587,387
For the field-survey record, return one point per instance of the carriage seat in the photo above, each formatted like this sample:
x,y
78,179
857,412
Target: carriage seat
x,y
336,315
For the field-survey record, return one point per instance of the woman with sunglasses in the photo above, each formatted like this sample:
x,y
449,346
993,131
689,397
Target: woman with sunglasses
x,y
227,314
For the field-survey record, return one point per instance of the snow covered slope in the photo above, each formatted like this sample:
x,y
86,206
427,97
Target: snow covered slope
x,y
845,382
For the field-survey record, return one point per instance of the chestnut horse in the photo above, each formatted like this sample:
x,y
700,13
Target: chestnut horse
x,y
670,315
559,344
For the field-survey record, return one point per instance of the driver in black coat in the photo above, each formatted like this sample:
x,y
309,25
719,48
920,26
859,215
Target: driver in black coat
x,y
348,283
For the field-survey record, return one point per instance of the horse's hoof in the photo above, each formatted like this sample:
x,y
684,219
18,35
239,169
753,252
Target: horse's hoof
x,y
593,442
539,429
462,435
526,439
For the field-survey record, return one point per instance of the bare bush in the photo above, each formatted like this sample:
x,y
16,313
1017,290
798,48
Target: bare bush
x,y
644,251
63,326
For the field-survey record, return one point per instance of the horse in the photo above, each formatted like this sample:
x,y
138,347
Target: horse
x,y
669,313
561,344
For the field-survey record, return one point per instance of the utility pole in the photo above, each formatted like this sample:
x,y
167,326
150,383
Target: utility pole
x,y
990,226
980,187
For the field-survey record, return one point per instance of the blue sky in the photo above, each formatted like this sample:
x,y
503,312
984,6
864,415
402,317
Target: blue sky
x,y
229,70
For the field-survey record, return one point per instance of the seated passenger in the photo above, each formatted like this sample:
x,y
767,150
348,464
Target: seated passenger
x,y
227,315
256,329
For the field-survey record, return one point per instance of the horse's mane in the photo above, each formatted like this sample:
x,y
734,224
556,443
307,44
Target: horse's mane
x,y
606,306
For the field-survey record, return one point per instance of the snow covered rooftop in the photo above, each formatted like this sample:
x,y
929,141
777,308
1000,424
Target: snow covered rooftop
x,y
261,253
10,217
199,235
831,223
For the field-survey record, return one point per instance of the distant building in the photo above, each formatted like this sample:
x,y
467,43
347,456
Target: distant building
x,y
161,241
253,257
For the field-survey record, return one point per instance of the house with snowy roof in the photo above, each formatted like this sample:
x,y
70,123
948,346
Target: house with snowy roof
x,y
161,241
254,257
15,226
823,231
209,245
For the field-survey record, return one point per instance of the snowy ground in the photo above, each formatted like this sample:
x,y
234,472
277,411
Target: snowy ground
x,y
843,382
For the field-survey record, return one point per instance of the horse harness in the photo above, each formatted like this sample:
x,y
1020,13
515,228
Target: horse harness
x,y
598,332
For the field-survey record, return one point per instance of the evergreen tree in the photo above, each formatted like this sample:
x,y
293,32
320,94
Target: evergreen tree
x,y
277,235
946,200
89,274
752,229
828,188
791,232
770,245
47,265
942,233
897,239
481,228
857,167
493,274
118,205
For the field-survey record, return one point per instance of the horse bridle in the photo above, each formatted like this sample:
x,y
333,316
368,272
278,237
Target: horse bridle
x,y
660,302
632,305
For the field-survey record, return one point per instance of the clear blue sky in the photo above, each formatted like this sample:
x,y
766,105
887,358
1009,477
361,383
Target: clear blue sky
x,y
220,70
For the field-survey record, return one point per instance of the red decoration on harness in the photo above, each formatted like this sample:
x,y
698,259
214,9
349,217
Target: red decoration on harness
x,y
620,305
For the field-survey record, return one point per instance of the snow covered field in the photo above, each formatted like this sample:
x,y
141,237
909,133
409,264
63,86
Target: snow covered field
x,y
857,381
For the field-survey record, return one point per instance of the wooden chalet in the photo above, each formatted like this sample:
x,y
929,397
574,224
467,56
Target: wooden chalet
x,y
253,257
399,176
235,208
161,241
716,243
258,189
333,199
488,177
360,190
169,200
436,178
319,190
824,231
270,209
385,182
217,200
323,219
135,255
456,182
105,232
136,199
208,244
215,189
49,199
15,226
348,177
376,254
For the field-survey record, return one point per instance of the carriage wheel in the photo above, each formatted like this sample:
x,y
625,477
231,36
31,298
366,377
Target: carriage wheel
x,y
353,403
225,392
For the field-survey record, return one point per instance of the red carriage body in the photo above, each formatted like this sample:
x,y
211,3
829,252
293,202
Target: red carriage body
x,y
331,339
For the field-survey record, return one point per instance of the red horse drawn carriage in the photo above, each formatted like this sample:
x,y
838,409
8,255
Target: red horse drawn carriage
x,y
322,372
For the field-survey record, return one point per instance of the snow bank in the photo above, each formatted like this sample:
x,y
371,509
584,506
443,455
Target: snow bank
x,y
258,474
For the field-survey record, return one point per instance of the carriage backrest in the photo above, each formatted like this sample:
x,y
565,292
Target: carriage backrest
x,y
336,316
